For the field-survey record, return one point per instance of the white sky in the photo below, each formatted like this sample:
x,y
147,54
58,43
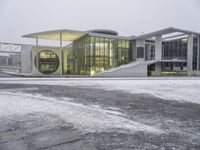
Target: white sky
x,y
128,17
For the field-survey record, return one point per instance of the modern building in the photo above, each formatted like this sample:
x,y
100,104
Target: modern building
x,y
104,53
10,59
10,55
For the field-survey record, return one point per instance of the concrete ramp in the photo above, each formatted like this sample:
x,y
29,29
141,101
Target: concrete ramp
x,y
134,69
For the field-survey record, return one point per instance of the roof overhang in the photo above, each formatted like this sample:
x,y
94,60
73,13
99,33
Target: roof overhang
x,y
64,35
164,32
108,36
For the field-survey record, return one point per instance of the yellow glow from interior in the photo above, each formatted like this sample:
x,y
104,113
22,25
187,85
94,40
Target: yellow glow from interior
x,y
92,72
66,36
43,55
184,40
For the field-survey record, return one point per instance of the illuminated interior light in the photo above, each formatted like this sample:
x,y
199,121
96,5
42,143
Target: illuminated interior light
x,y
92,72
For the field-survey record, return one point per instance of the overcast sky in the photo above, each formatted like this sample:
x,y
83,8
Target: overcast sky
x,y
128,17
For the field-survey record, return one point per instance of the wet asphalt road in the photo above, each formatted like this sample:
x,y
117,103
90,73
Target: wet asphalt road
x,y
179,120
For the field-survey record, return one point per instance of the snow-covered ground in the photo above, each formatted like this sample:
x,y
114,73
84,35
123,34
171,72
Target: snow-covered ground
x,y
88,118
176,89
108,113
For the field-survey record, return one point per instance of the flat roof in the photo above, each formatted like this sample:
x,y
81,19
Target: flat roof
x,y
67,35
71,35
163,32
108,36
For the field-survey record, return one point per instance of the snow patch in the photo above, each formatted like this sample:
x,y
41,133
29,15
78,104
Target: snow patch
x,y
84,117
183,89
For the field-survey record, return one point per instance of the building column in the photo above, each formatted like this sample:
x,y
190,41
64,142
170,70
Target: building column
x,y
158,47
158,54
37,55
198,50
189,54
61,56
147,52
158,69
133,48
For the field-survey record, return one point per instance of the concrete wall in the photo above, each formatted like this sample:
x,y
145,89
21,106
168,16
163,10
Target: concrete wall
x,y
147,52
158,54
158,47
26,62
158,69
189,54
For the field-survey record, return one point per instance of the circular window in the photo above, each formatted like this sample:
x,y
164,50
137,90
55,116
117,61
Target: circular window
x,y
48,62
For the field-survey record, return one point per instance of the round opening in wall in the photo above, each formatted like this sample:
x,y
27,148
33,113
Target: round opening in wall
x,y
47,61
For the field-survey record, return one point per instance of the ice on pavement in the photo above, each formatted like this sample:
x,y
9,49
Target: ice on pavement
x,y
87,118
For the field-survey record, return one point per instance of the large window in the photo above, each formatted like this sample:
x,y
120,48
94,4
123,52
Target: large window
x,y
90,55
175,49
199,52
195,53
140,52
47,62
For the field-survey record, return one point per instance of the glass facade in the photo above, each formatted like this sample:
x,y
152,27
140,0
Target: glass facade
x,y
175,49
173,66
90,54
199,52
195,53
171,50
